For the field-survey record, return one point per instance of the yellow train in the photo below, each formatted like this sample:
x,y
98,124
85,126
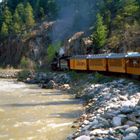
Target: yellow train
x,y
121,63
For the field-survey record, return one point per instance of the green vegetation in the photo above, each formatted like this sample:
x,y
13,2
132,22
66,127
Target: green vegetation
x,y
116,27
23,75
26,63
52,50
121,17
77,76
100,33
18,16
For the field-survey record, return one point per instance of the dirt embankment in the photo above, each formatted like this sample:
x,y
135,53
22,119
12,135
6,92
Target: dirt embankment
x,y
9,73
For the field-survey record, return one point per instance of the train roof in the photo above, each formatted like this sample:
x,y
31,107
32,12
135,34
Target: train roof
x,y
116,55
97,56
80,56
133,54
110,56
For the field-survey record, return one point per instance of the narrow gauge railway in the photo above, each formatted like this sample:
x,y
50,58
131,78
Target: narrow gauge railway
x,y
114,62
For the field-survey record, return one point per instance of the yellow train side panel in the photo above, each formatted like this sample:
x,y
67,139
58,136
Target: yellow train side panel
x,y
117,65
80,64
72,61
97,64
133,66
135,71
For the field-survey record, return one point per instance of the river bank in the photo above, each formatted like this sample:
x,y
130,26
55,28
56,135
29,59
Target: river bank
x,y
9,73
112,106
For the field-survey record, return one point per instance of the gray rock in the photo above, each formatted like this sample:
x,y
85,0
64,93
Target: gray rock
x,y
99,132
95,122
126,109
110,138
92,138
124,98
131,117
108,115
84,137
128,104
130,123
51,84
116,121
86,122
138,120
132,129
131,136
104,122
121,127
137,113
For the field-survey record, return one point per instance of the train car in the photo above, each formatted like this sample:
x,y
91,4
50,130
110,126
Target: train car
x,y
78,62
133,63
116,63
97,62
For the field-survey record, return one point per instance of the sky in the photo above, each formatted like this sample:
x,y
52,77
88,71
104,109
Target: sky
x,y
0,0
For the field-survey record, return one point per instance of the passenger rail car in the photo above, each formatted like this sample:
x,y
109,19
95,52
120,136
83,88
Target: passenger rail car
x,y
133,63
119,63
78,62
97,62
116,63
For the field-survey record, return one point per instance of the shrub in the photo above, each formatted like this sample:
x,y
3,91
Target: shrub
x,y
26,63
77,76
98,77
51,50
23,75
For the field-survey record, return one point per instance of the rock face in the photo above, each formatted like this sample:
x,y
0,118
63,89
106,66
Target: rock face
x,y
33,45
112,111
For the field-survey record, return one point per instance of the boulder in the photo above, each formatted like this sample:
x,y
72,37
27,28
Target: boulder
x,y
131,136
116,121
132,129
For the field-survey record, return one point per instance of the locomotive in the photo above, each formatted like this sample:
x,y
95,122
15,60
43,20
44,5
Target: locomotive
x,y
114,62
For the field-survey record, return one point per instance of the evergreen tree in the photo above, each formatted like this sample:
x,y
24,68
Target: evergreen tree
x,y
6,21
4,29
19,18
100,32
16,28
7,16
29,17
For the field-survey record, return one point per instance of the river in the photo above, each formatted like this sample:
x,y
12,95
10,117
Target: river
x,y
28,112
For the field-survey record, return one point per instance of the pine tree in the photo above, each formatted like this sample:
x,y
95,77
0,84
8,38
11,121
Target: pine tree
x,y
100,32
4,29
7,16
19,18
20,15
29,17
7,20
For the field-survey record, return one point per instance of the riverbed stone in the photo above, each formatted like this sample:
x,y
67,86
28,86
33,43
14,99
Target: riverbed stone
x,y
83,137
86,122
131,136
126,109
132,129
116,121
99,132
130,123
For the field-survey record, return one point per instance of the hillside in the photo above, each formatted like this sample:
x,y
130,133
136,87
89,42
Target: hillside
x,y
28,28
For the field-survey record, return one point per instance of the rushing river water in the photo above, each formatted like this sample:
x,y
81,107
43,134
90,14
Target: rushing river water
x,y
30,113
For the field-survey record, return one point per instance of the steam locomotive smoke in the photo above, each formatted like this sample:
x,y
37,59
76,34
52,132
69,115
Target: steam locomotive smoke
x,y
73,16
